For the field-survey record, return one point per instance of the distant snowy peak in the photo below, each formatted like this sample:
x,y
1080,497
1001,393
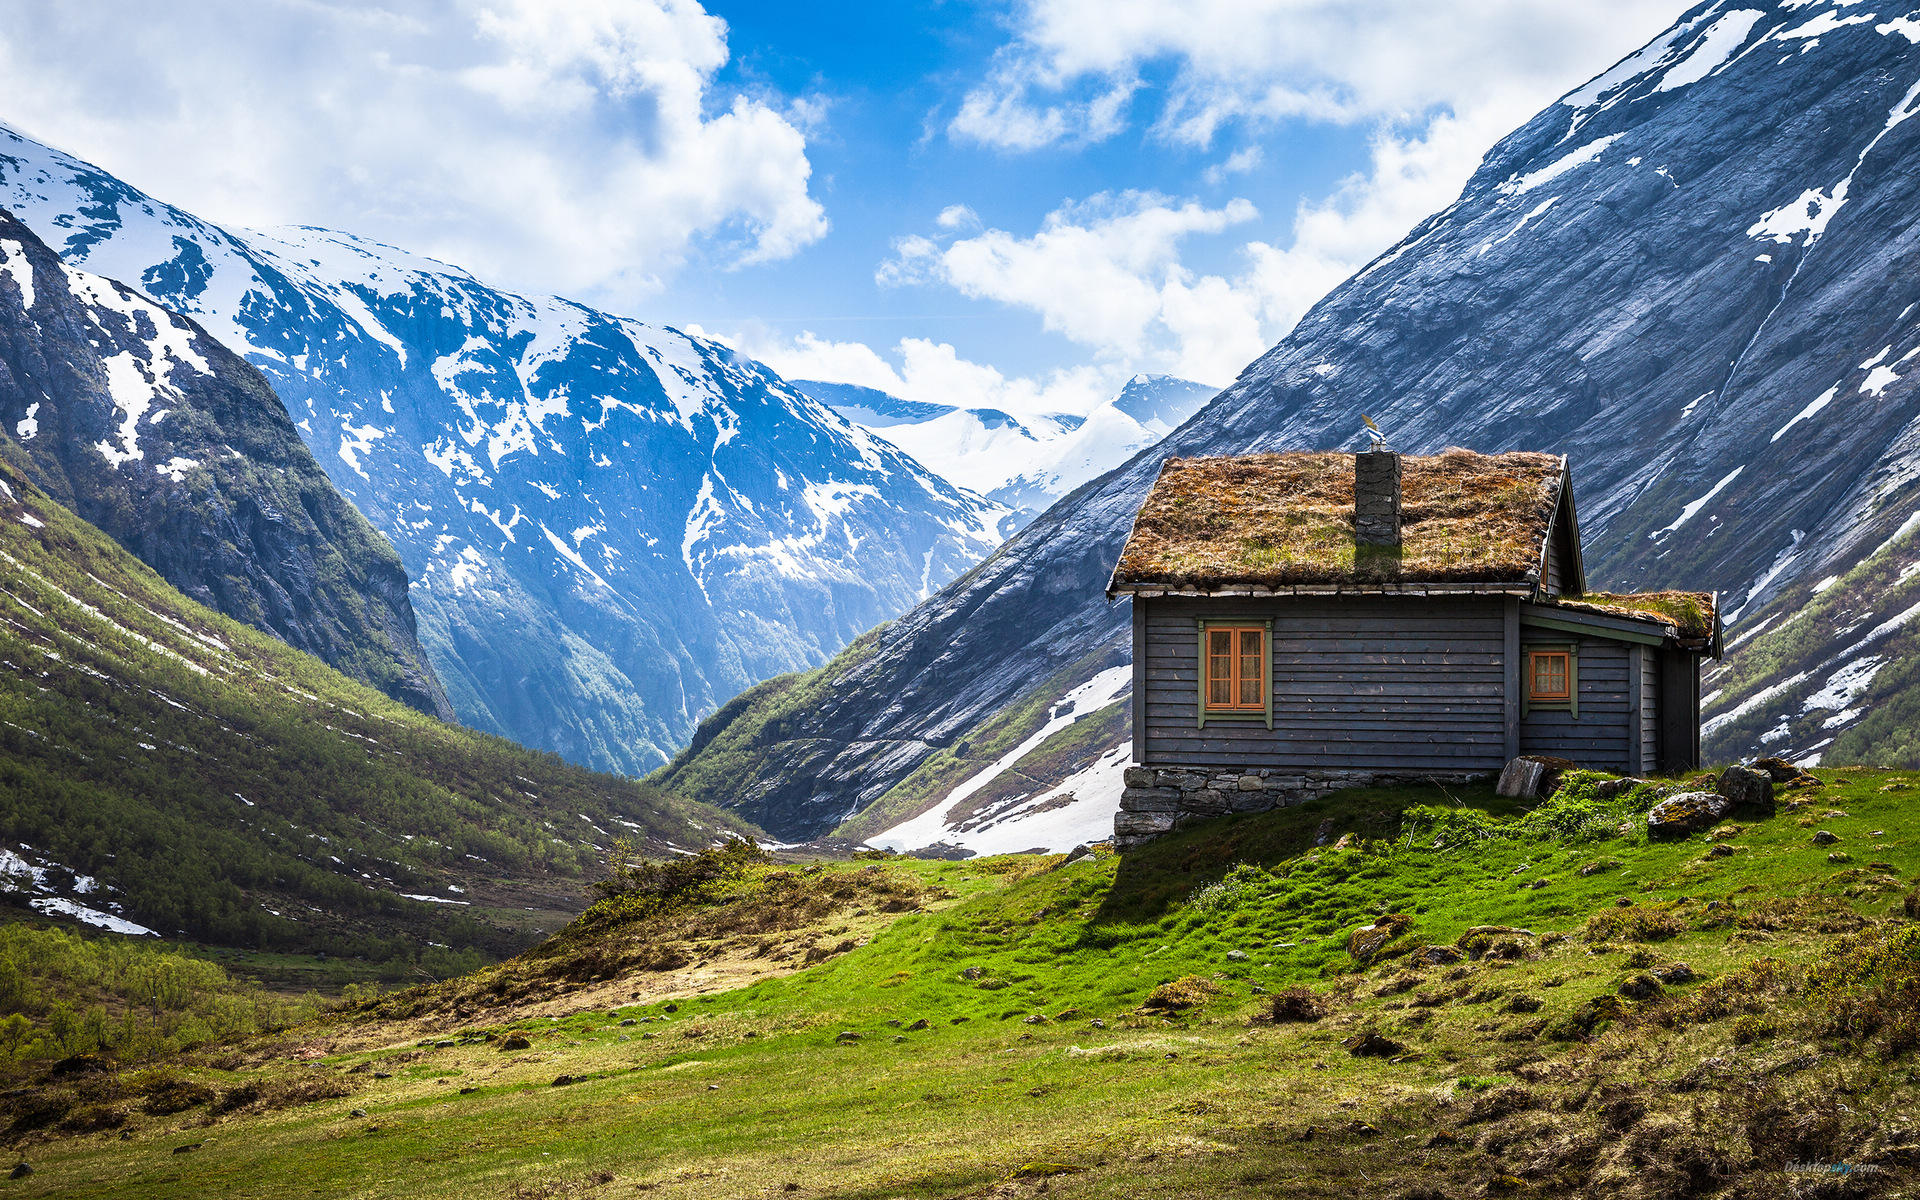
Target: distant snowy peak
x,y
1162,403
612,526
1022,463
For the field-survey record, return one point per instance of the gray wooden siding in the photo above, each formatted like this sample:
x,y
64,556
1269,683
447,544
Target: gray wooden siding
x,y
1604,734
1649,708
1556,573
1380,682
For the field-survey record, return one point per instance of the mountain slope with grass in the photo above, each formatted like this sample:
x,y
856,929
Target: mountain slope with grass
x,y
1403,993
1697,276
169,770
136,419
611,526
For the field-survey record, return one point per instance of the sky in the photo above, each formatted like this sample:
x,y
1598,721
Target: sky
x,y
1014,205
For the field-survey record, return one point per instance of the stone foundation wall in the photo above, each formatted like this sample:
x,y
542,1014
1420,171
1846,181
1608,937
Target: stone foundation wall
x,y
1162,799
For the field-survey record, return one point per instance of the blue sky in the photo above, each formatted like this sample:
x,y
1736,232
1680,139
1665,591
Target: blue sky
x,y
1015,204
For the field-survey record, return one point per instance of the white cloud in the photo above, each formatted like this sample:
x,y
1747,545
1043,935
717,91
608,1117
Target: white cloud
x,y
933,373
1439,84
576,146
1074,66
1104,272
1241,161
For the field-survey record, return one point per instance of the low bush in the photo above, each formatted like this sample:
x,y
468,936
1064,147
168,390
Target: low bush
x,y
1296,1003
1869,991
1179,995
1634,922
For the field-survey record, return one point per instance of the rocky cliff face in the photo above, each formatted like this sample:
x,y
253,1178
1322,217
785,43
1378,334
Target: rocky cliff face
x,y
1698,275
138,421
611,527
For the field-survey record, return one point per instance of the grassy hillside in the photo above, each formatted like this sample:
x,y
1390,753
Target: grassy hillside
x,y
167,766
1460,998
1830,668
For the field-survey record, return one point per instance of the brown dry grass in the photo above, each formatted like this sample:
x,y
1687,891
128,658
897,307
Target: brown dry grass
x,y
1275,519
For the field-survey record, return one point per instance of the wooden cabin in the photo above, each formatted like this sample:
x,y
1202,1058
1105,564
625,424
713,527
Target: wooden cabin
x,y
1309,621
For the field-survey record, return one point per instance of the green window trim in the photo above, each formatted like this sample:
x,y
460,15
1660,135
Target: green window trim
x,y
1237,716
1571,704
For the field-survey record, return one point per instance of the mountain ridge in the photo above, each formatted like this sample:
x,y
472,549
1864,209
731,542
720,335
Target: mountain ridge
x,y
1024,463
169,770
611,527
1689,226
138,420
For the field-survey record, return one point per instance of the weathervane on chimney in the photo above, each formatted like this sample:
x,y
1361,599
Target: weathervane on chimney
x,y
1375,435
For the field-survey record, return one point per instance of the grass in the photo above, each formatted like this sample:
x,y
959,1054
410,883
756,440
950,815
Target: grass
x,y
1692,613
991,1028
222,787
1277,519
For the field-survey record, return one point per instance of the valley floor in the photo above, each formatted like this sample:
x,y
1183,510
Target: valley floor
x,y
1555,1006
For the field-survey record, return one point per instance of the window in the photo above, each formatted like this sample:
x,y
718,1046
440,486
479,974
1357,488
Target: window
x,y
1552,680
1236,668
1549,668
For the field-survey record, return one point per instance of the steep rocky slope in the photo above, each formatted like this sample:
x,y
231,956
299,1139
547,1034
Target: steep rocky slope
x,y
1698,275
136,419
166,769
611,527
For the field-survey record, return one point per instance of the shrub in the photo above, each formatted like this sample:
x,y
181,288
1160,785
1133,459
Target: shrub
x,y
1635,922
1869,989
176,1095
1179,995
1296,1003
636,887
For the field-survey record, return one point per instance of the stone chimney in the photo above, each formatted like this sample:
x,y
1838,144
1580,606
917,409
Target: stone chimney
x,y
1376,498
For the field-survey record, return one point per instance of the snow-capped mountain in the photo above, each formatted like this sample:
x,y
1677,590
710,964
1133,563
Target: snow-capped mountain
x,y
1023,463
611,527
1698,275
155,433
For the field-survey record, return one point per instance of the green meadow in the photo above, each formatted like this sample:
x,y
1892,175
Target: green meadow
x,y
1416,992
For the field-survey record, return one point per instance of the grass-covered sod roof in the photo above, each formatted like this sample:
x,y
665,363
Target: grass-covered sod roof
x,y
1271,520
1691,613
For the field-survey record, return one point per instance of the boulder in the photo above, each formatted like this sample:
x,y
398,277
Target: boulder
x,y
1366,942
1780,770
1607,789
1825,837
1532,775
1748,790
1687,813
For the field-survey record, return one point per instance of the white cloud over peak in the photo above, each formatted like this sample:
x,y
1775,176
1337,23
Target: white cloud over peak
x,y
933,373
573,145
1439,84
1104,272
1074,67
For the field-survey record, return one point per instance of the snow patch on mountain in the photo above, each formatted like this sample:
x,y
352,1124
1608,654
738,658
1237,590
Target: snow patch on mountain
x,y
1024,463
458,417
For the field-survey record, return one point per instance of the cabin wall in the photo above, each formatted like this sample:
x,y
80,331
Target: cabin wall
x,y
1679,711
1379,683
1606,734
1649,710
